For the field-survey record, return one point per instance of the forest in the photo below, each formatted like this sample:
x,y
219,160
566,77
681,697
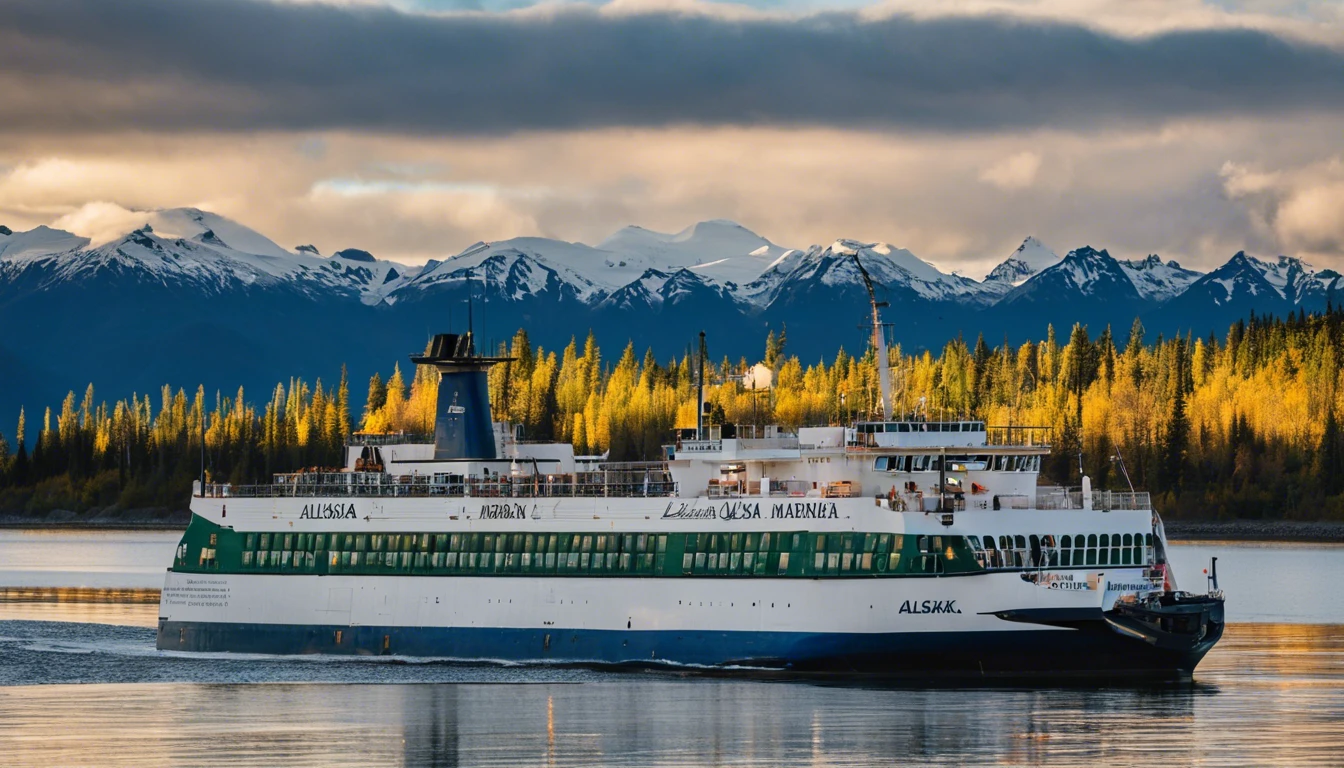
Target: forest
x,y
1246,426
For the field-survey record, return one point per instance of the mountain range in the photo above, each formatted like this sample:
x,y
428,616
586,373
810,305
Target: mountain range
x,y
193,297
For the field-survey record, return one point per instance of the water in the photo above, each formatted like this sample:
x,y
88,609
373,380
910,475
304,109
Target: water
x,y
83,685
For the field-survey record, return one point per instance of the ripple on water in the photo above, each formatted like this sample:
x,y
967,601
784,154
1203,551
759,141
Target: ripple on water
x,y
1269,694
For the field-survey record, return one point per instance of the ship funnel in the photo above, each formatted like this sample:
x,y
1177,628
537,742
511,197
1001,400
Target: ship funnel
x,y
462,422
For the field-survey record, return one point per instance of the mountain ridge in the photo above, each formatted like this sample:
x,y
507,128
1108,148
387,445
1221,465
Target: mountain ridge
x,y
187,273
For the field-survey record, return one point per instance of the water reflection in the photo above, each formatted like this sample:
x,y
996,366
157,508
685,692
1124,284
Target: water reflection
x,y
1267,695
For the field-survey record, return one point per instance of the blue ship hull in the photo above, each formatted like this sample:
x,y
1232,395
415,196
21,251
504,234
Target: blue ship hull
x,y
1093,651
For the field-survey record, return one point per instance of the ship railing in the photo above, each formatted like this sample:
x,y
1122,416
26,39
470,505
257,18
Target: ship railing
x,y
1012,435
781,443
1101,500
700,446
359,439
581,484
780,489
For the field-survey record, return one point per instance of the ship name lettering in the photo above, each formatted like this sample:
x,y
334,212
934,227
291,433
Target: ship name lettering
x,y
740,510
336,511
929,606
806,509
503,512
685,511
1136,586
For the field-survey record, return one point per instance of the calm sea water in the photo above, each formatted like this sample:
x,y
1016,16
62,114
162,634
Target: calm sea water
x,y
83,685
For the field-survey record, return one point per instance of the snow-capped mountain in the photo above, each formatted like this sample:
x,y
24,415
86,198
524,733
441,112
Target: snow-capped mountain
x,y
723,250
513,270
1157,281
1029,259
189,248
654,289
188,296
1085,273
891,269
1246,282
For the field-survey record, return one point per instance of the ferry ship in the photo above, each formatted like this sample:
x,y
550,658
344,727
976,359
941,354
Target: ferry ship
x,y
905,548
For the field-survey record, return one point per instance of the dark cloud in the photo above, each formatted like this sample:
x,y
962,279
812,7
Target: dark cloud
x,y
80,65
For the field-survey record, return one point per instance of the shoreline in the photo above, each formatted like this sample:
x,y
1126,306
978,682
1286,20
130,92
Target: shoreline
x,y
1177,530
1324,532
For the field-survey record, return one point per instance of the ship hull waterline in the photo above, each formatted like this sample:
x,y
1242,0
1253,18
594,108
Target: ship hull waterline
x,y
970,643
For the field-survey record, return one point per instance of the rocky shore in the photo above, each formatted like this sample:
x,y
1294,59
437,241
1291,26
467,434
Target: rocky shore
x,y
1254,530
107,518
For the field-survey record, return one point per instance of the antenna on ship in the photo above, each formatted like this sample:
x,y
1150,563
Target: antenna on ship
x,y
879,339
700,393
471,335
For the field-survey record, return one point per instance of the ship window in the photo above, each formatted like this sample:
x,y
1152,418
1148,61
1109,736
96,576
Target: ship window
x,y
894,561
867,563
832,561
846,562
700,562
321,542
838,542
265,541
820,563
247,558
821,543
662,543
713,561
250,541
289,540
601,544
880,463
501,543
783,563
735,562
748,561
869,542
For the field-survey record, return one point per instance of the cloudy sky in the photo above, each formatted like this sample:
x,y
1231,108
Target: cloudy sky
x,y
412,128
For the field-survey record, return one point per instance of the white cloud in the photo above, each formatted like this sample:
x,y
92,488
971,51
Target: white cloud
x,y
1013,172
1300,207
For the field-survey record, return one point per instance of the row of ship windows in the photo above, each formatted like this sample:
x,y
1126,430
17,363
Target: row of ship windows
x,y
744,554
1018,551
935,463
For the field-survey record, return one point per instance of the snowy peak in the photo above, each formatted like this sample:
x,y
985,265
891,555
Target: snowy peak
x,y
890,268
722,250
533,262
1245,278
39,242
1030,258
1085,273
190,247
1242,279
1157,281
354,254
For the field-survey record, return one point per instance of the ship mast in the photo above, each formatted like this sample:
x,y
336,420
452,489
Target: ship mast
x,y
879,340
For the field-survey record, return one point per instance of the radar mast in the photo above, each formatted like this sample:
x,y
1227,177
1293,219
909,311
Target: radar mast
x,y
879,339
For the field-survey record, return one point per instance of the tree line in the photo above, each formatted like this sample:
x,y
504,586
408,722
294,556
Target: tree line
x,y
1246,426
